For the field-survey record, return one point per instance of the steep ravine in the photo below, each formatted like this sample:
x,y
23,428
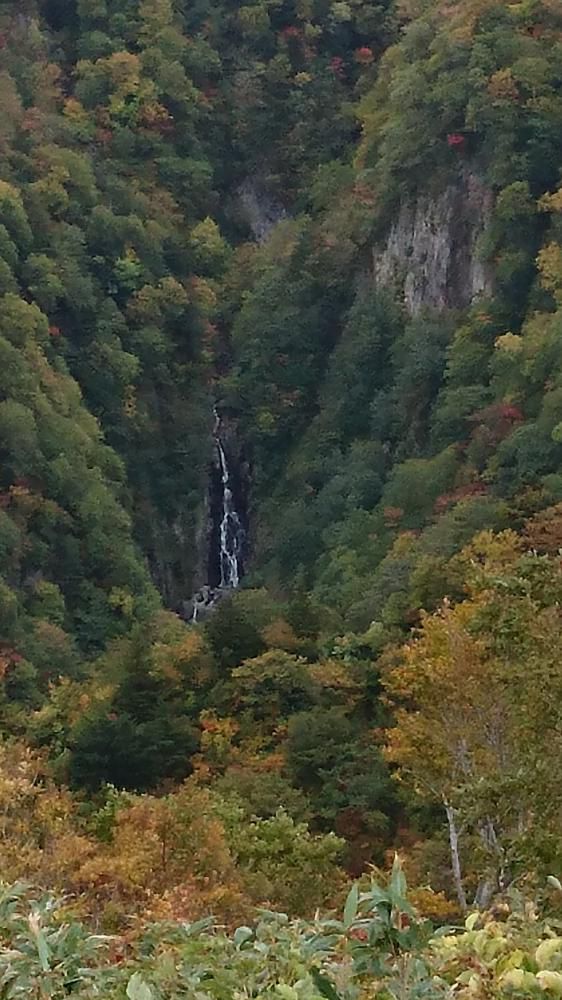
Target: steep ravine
x,y
430,258
222,536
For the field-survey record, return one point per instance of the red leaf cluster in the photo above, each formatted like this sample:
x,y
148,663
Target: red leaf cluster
x,y
447,500
364,55
337,66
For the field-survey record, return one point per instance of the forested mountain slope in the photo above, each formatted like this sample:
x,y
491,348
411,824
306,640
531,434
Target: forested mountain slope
x,y
333,230
369,419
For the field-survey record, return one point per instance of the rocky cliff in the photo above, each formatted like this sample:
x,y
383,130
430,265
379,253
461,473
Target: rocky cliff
x,y
259,209
431,254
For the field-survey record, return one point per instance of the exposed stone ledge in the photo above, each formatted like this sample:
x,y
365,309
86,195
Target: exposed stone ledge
x,y
431,254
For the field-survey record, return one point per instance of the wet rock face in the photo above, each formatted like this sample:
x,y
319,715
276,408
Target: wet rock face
x,y
431,254
260,210
203,603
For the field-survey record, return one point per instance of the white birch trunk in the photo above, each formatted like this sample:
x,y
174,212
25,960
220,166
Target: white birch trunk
x,y
455,858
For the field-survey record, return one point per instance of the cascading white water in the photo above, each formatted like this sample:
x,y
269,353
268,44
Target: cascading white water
x,y
228,536
231,530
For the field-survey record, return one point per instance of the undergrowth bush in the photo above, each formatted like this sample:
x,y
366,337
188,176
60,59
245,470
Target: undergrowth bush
x,y
379,948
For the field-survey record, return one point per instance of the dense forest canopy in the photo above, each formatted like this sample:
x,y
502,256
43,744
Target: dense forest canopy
x,y
333,230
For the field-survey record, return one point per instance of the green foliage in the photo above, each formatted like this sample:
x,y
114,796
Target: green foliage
x,y
232,635
380,942
194,204
275,684
285,860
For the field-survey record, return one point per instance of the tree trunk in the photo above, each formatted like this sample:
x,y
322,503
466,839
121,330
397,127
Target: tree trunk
x,y
485,893
495,878
455,859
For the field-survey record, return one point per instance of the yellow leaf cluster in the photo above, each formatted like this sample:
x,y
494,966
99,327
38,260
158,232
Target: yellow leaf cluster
x,y
549,262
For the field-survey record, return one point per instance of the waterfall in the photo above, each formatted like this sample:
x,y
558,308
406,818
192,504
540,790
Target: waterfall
x,y
226,535
231,530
